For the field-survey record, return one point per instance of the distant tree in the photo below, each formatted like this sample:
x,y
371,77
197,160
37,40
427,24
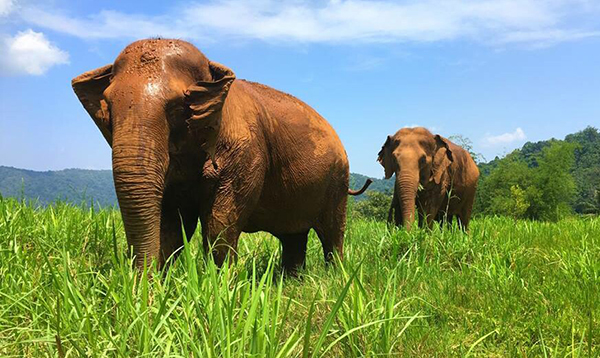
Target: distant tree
x,y
595,208
515,205
375,206
543,192
494,196
467,145
554,180
530,152
586,170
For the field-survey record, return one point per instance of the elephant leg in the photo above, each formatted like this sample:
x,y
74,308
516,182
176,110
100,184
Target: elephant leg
x,y
174,211
171,237
447,220
391,217
443,215
428,219
463,222
425,213
440,213
422,218
220,238
222,225
330,230
293,255
465,214
398,220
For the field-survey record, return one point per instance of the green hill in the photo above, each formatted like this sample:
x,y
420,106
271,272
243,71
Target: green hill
x,y
72,185
80,185
380,185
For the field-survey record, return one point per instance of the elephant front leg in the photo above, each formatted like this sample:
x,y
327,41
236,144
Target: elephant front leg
x,y
171,235
395,212
220,239
228,199
390,218
427,209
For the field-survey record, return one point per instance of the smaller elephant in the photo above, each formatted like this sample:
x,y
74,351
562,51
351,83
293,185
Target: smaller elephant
x,y
436,175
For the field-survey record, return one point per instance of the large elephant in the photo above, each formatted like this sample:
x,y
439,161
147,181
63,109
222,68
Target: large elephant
x,y
191,142
431,172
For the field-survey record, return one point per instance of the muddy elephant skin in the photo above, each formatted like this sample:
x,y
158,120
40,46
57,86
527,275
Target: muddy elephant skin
x,y
433,173
191,142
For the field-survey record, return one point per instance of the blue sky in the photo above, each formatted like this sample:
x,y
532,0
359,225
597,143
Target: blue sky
x,y
499,72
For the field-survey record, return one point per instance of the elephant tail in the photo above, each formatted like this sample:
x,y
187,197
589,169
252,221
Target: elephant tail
x,y
362,190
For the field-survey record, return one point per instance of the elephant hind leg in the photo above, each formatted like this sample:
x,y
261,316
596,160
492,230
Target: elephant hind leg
x,y
293,255
464,217
330,230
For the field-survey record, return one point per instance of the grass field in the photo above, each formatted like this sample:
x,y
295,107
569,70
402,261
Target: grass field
x,y
507,289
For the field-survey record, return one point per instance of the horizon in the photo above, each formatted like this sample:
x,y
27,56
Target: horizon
x,y
381,177
499,73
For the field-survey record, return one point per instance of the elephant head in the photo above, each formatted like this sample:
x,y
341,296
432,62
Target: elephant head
x,y
157,95
418,158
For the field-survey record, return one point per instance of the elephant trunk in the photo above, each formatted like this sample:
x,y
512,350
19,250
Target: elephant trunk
x,y
407,185
140,161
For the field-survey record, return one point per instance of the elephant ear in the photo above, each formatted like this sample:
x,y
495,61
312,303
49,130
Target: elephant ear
x,y
384,157
441,159
89,88
206,100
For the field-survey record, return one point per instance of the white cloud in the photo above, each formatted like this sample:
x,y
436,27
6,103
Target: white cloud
x,y
349,21
6,7
506,138
29,52
107,24
547,38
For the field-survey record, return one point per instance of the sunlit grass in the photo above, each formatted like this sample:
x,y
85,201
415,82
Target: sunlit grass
x,y
506,289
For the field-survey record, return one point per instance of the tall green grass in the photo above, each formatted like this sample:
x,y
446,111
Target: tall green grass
x,y
506,289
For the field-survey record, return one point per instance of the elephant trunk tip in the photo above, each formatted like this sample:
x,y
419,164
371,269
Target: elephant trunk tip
x,y
361,190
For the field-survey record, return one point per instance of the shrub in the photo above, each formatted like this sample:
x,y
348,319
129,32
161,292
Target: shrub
x,y
375,207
